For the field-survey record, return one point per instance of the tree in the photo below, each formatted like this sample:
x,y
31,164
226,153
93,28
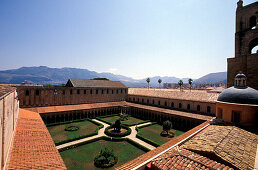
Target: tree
x,y
180,83
117,126
159,81
190,81
148,81
167,125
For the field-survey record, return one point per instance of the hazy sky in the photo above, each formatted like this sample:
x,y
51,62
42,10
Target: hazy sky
x,y
136,38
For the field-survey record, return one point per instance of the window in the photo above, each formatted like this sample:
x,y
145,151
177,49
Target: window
x,y
165,103
116,91
102,91
107,91
172,104
121,91
252,22
90,91
180,105
71,91
153,101
198,108
78,91
158,102
236,117
208,109
63,92
134,99
97,91
27,92
188,107
138,100
37,92
112,91
84,91
148,101
142,100
129,98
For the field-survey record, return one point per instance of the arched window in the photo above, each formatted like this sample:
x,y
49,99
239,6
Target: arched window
x,y
208,109
180,105
252,22
37,92
142,100
97,91
134,99
188,107
148,101
84,91
198,108
172,105
138,100
158,102
153,101
165,104
27,92
91,91
71,91
78,91
253,46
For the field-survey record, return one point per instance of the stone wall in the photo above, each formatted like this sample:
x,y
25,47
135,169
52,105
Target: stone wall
x,y
207,108
9,111
38,95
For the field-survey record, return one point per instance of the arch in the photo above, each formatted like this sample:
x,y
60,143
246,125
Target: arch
x,y
253,46
148,101
153,101
142,100
188,107
208,109
198,108
252,22
159,102
172,105
165,104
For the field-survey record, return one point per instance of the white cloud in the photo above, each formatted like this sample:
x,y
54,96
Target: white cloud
x,y
112,70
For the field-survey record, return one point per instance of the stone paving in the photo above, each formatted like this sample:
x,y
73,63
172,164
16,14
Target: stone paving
x,y
132,136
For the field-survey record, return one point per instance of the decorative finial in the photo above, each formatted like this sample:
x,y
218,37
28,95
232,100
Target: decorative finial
x,y
240,4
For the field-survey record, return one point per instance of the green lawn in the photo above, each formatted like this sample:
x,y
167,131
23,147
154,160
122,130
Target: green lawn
x,y
152,133
58,133
82,157
131,120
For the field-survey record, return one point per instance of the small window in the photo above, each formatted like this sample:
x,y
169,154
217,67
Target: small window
x,y
112,91
158,102
63,92
90,91
121,91
165,104
153,101
172,105
138,100
27,92
97,91
107,91
208,109
134,99
180,105
71,91
116,91
78,91
84,91
37,92
148,101
188,107
129,98
102,91
142,100
198,108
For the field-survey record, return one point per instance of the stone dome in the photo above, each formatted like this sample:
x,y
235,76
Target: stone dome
x,y
241,95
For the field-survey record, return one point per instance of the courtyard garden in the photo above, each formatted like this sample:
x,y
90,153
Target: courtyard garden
x,y
82,157
128,121
69,131
152,134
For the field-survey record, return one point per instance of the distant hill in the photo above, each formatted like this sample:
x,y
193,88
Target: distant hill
x,y
46,75
212,78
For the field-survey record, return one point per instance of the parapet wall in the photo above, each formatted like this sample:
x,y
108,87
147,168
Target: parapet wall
x,y
38,95
9,112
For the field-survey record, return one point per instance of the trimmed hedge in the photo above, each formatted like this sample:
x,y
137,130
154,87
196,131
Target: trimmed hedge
x,y
133,124
138,129
117,139
71,121
82,136
113,134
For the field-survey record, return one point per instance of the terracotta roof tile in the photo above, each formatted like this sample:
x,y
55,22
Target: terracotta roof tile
x,y
202,96
230,143
95,83
5,89
33,147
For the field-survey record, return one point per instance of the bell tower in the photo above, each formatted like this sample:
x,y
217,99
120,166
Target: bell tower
x,y
246,45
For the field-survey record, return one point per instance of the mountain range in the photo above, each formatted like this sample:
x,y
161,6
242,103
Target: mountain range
x,y
46,75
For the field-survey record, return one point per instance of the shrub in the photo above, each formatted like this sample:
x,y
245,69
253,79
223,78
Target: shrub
x,y
105,159
114,134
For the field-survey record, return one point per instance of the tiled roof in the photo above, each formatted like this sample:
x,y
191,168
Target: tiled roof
x,y
94,83
173,112
179,158
4,89
176,94
33,147
145,157
50,109
232,144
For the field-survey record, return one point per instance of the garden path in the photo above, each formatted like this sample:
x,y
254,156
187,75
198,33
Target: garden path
x,y
132,136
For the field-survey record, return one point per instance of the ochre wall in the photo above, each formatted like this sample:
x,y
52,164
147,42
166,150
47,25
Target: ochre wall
x,y
9,111
193,104
46,96
247,115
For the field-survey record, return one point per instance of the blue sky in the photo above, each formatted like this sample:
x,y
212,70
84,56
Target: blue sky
x,y
135,38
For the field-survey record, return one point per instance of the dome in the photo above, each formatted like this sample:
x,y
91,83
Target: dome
x,y
240,75
244,95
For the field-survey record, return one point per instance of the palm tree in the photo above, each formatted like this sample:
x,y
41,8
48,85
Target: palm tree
x,y
180,83
159,81
190,81
148,81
